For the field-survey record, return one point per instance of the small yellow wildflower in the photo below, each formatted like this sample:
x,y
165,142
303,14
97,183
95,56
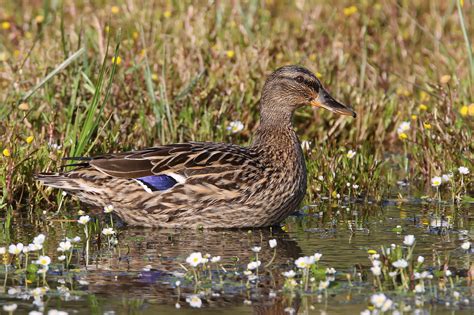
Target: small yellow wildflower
x,y
427,125
334,194
28,35
39,19
350,10
135,35
24,107
319,75
167,14
402,136
117,60
115,9
142,52
414,117
6,25
154,77
279,56
424,96
312,57
29,139
471,110
403,91
230,54
6,152
464,110
16,53
372,252
107,29
423,107
445,79
461,2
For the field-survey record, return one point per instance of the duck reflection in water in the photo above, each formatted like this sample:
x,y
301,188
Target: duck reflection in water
x,y
150,264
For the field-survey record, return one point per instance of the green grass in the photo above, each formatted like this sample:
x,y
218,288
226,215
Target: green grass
x,y
187,70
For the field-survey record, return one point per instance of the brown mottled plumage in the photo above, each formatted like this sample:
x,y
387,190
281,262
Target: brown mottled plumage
x,y
216,184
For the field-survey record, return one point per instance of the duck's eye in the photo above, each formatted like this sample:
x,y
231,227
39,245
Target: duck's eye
x,y
299,79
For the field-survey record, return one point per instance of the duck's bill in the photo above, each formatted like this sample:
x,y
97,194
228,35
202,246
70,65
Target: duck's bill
x,y
325,100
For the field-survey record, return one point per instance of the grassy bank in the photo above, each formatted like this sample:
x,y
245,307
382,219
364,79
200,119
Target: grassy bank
x,y
80,78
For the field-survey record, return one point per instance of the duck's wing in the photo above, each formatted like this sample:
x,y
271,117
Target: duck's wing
x,y
160,168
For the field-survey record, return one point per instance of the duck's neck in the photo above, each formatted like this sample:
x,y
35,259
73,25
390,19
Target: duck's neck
x,y
275,134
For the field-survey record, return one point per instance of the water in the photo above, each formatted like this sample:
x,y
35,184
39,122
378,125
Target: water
x,y
139,275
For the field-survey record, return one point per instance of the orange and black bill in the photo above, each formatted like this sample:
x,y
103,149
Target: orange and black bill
x,y
325,100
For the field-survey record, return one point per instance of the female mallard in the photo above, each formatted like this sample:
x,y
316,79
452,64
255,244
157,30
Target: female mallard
x,y
204,184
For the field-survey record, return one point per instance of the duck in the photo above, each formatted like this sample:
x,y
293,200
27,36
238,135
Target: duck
x,y
208,184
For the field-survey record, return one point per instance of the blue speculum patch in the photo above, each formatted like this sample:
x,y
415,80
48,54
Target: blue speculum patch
x,y
158,182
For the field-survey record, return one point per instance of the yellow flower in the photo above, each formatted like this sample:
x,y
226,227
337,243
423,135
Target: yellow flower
x,y
471,110
402,136
424,96
16,53
312,57
461,2
117,60
445,79
319,75
154,77
6,152
427,125
230,54
464,110
135,35
107,29
350,10
371,252
167,14
6,25
115,9
142,52
28,35
414,117
29,139
39,19
334,194
423,107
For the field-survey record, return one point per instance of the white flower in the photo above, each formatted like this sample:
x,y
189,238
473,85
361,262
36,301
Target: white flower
x,y
466,245
378,300
39,240
61,258
404,126
321,177
436,181
355,186
323,285
401,263
253,265
194,259
376,270
81,212
456,295
387,305
76,239
463,170
365,312
177,305
304,262
289,274
393,274
108,231
446,177
204,260
376,263
247,273
350,154
56,312
330,271
9,308
272,243
43,260
448,273
420,259
235,126
194,301
15,249
108,208
35,313
84,219
3,250
177,283
317,256
215,259
64,246
256,249
409,240
419,288
34,247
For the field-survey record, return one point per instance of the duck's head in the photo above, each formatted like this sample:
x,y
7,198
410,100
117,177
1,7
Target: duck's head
x,y
291,87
